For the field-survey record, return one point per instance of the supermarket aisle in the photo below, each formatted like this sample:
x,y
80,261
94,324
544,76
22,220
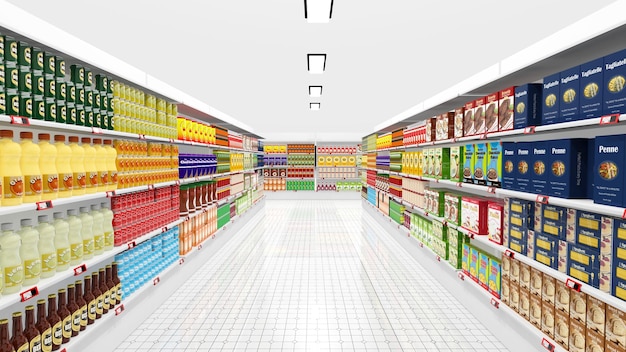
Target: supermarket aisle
x,y
312,276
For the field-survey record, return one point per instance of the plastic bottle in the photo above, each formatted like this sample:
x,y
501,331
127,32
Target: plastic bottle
x,y
86,232
10,260
64,167
18,340
75,237
10,173
61,241
111,164
107,227
47,249
90,166
98,231
102,165
29,164
48,167
29,252
77,162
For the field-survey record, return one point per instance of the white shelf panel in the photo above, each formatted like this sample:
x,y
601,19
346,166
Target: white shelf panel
x,y
210,177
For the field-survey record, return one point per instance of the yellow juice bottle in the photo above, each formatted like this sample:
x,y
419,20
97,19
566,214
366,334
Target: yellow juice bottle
x,y
48,167
10,172
101,165
29,164
90,166
111,164
77,163
64,167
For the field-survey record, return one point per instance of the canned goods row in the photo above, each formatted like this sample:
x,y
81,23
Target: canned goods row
x,y
142,148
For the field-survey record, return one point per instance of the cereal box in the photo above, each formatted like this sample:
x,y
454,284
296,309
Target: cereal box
x,y
459,113
483,270
494,164
468,163
491,112
495,216
506,101
480,165
479,116
468,119
456,163
494,278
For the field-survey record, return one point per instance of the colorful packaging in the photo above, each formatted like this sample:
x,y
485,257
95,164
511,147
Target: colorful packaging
x,y
548,288
561,328
442,163
494,278
596,313
568,168
540,166
609,163
495,216
547,318
525,172
469,162
445,126
456,163
483,270
534,316
551,99
473,263
480,165
468,120
465,259
570,95
479,116
494,164
506,102
591,89
458,122
474,214
509,166
452,208
491,112
614,83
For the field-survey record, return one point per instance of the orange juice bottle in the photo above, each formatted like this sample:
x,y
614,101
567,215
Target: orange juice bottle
x,y
111,164
11,178
77,163
48,167
90,165
29,164
101,165
64,168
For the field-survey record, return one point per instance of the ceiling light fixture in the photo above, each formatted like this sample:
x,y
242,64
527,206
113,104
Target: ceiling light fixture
x,y
316,63
315,106
315,91
318,11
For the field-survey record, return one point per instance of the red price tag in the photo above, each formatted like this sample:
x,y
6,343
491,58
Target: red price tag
x,y
542,199
164,229
509,253
495,303
609,119
150,187
181,261
529,130
421,245
200,246
119,309
177,182
573,285
18,120
624,214
96,130
142,136
80,269
459,184
28,294
46,204
491,189
547,344
483,136
438,258
110,194
131,245
156,281
461,276
171,140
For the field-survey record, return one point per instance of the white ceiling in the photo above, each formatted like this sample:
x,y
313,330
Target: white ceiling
x,y
248,57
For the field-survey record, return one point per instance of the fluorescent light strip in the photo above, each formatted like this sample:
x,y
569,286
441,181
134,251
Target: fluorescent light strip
x,y
315,91
316,63
315,106
318,11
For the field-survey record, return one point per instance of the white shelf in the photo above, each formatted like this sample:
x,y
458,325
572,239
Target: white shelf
x,y
212,176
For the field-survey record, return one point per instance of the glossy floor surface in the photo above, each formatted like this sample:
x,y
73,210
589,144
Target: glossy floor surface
x,y
311,276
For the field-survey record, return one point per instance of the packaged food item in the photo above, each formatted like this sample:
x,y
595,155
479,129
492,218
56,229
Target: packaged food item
x,y
445,126
505,291
609,161
561,328
524,174
479,116
591,89
441,162
584,264
494,278
614,82
480,165
491,112
473,263
570,95
548,288
534,316
469,163
468,120
506,105
459,114
483,270
494,164
514,295
548,318
551,99
524,303
568,168
452,208
431,129
474,214
539,171
594,341
578,333
495,216
596,314
615,328
528,105
457,154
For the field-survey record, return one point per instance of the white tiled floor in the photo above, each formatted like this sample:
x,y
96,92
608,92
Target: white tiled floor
x,y
312,276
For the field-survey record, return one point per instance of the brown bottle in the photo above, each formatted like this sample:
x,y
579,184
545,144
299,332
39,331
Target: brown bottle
x,y
18,340
82,304
5,343
118,284
91,301
106,298
95,290
74,309
44,326
31,332
111,287
55,321
65,315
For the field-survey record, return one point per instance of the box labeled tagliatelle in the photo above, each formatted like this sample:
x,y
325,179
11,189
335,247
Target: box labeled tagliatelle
x,y
570,95
591,89
615,83
528,105
551,99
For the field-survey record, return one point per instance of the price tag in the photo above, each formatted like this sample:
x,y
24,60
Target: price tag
x,y
624,214
529,130
421,245
18,120
542,199
200,246
96,130
461,276
181,261
80,269
46,204
156,281
119,309
470,235
131,245
495,303
454,140
142,136
150,187
110,194
509,253
171,140
438,258
483,136
609,119
491,189
547,344
177,182
164,229
459,184
573,285
30,293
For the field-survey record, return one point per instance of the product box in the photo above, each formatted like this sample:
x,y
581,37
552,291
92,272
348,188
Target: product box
x,y
536,282
524,173
591,89
480,164
548,288
494,278
609,163
547,318
491,112
479,116
568,177
474,214
506,265
546,242
468,119
577,335
594,341
615,328
505,291
619,289
514,295
530,240
578,306
596,314
563,255
459,113
440,231
524,276
522,213
465,259
540,164
445,126
528,106
506,105
551,99
517,244
505,222
586,258
614,82
442,163
430,159
514,272
612,347
562,297
535,311
452,208
561,328
431,129
469,163
570,95
495,215
456,163
483,270
551,220
473,263
494,164
524,303
548,258
509,163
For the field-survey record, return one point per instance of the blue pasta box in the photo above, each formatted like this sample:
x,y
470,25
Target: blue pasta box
x,y
609,163
551,220
568,168
480,165
518,240
546,242
509,169
550,94
593,230
614,83
539,167
524,209
591,156
570,95
619,289
547,258
524,167
591,89
590,276
584,257
528,105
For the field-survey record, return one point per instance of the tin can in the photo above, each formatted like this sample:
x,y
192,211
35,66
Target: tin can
x,y
95,122
39,108
50,88
51,110
88,78
50,65
61,90
25,80
61,112
77,74
26,105
39,83
102,83
60,67
80,115
71,92
3,101
80,95
88,116
97,102
10,51
12,102
24,54
37,62
71,114
12,76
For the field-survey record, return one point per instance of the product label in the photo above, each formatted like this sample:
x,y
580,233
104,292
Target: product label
x,y
112,294
63,256
104,178
107,300
109,239
84,315
76,320
113,175
32,268
13,275
91,314
79,180
100,304
22,348
35,344
88,246
34,185
93,179
51,183
48,262
68,182
46,340
98,242
13,187
118,295
67,327
57,333
76,251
